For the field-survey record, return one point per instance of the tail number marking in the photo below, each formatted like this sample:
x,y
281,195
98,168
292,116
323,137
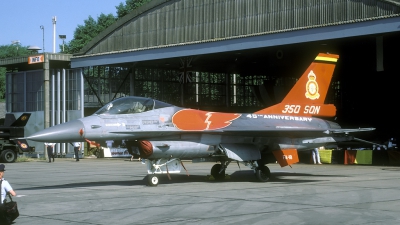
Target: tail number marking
x,y
291,109
308,109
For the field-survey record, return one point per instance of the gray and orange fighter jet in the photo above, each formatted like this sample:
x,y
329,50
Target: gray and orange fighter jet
x,y
164,134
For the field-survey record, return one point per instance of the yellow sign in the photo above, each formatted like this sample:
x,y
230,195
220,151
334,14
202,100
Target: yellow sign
x,y
35,59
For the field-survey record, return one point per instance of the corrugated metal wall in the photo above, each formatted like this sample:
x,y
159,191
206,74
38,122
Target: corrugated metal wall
x,y
192,21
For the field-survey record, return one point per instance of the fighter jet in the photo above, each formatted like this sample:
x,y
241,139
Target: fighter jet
x,y
164,134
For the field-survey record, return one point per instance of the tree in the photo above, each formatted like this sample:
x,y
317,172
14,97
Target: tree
x,y
2,82
130,5
91,28
85,33
8,51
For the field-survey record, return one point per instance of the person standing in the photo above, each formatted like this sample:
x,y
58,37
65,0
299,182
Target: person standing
x,y
109,143
50,150
315,156
5,189
5,186
77,148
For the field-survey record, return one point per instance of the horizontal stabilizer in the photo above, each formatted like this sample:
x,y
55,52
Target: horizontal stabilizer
x,y
23,145
346,131
365,141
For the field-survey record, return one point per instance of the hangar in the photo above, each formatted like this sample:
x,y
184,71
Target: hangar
x,y
240,55
215,54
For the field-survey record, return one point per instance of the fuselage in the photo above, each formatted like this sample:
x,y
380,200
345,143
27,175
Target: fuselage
x,y
158,121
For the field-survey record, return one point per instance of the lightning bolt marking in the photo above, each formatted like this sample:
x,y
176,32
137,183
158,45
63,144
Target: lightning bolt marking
x,y
209,114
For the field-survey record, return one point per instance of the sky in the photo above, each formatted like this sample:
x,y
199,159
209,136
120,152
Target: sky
x,y
21,19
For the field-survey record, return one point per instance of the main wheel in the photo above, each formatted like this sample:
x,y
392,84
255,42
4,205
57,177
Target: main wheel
x,y
152,180
97,153
263,173
215,172
8,156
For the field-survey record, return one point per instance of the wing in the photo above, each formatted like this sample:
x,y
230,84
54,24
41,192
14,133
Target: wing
x,y
346,131
292,132
299,132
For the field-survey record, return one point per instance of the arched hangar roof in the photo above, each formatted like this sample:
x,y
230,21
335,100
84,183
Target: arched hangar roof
x,y
176,28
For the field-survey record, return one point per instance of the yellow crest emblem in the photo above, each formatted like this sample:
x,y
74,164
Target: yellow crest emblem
x,y
312,86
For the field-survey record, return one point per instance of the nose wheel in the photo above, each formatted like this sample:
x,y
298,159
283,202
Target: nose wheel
x,y
152,180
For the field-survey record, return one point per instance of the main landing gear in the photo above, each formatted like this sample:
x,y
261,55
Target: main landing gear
x,y
167,166
218,171
261,172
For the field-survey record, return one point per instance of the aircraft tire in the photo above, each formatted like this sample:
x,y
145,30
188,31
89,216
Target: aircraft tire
x,y
152,180
215,172
263,173
8,156
96,153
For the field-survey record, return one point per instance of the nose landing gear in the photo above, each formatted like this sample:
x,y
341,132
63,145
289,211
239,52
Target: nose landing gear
x,y
152,180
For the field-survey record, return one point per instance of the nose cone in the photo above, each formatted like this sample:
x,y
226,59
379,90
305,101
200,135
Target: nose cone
x,y
63,133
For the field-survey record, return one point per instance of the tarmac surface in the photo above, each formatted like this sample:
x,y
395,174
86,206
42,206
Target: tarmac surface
x,y
114,191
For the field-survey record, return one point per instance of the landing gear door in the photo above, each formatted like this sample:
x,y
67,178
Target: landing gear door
x,y
241,152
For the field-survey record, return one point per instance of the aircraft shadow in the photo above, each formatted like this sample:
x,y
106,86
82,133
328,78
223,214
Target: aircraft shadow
x,y
238,176
246,176
88,185
392,169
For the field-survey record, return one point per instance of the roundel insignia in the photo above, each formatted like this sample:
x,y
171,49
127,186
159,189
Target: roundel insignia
x,y
24,146
24,118
312,86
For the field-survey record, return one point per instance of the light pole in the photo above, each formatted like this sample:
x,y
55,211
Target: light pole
x,y
46,97
16,43
42,27
54,34
62,37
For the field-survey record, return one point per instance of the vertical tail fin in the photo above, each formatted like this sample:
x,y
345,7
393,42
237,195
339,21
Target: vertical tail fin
x,y
21,121
307,96
14,128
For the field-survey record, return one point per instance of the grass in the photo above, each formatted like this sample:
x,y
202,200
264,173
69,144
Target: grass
x,y
27,159
24,159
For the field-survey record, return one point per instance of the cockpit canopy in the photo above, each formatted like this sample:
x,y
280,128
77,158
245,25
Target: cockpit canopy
x,y
131,105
